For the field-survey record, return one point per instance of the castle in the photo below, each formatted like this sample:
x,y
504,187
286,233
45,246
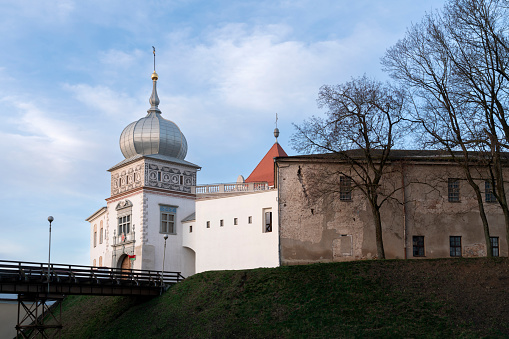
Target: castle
x,y
158,218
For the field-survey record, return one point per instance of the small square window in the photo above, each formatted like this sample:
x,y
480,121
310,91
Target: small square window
x,y
250,220
235,221
453,188
208,224
455,246
418,243
221,222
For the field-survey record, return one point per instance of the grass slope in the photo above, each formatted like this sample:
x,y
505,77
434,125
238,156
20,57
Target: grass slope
x,y
391,298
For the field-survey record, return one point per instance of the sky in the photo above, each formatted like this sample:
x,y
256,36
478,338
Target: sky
x,y
74,73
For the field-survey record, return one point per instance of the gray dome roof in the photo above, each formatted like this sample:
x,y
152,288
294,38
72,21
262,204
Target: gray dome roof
x,y
153,134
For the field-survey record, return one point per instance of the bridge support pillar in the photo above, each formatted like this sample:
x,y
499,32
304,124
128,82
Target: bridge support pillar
x,y
39,316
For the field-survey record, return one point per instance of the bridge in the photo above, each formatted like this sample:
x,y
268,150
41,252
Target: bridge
x,y
39,284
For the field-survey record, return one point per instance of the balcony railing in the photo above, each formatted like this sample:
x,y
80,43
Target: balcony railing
x,y
231,188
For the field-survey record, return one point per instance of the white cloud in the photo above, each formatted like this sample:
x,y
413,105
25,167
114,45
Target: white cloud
x,y
107,101
42,148
119,59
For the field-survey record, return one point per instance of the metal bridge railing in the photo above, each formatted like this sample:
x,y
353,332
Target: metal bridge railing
x,y
14,272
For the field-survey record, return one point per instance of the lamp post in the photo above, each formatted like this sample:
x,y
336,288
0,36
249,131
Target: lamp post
x,y
50,219
164,253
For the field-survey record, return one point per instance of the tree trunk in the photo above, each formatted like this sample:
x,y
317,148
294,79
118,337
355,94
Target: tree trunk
x,y
378,231
482,213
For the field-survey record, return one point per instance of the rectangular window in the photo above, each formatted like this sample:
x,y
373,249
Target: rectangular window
x,y
455,243
345,188
488,192
181,180
124,225
494,246
208,224
95,239
267,221
158,176
418,241
453,188
221,222
168,217
250,220
235,221
191,229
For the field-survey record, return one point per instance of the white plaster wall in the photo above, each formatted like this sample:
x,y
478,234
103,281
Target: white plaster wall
x,y
232,247
154,240
100,249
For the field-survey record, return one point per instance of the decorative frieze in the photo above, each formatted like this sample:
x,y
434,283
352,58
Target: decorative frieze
x,y
167,177
152,174
126,179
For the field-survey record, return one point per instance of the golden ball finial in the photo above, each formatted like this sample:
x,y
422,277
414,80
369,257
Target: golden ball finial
x,y
155,76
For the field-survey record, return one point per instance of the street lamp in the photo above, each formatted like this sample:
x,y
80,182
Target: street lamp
x,y
164,253
50,219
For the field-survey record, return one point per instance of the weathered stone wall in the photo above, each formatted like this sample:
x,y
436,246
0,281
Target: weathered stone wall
x,y
315,226
430,214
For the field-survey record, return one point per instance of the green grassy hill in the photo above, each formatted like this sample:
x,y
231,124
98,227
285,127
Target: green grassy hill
x,y
392,298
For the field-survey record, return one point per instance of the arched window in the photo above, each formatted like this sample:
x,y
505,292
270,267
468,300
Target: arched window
x,y
101,233
95,235
100,261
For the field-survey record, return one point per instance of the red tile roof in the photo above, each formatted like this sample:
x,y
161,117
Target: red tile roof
x,y
265,169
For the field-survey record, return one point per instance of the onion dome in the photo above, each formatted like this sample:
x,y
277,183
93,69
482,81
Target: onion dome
x,y
153,134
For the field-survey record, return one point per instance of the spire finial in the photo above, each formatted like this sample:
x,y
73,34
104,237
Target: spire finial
x,y
276,130
154,51
154,99
154,75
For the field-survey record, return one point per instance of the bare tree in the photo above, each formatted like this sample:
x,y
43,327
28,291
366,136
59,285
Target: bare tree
x,y
362,124
454,64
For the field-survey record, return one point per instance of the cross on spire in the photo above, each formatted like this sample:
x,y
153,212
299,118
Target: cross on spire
x,y
276,130
154,51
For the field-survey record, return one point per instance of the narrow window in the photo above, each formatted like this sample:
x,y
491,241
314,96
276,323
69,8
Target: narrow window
x,y
93,263
268,221
453,188
418,242
95,239
168,217
221,222
250,220
488,192
182,180
100,261
158,176
235,221
455,244
345,188
208,224
191,229
101,233
494,246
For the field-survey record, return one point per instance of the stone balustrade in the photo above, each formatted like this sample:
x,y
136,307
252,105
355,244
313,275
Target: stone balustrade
x,y
230,188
